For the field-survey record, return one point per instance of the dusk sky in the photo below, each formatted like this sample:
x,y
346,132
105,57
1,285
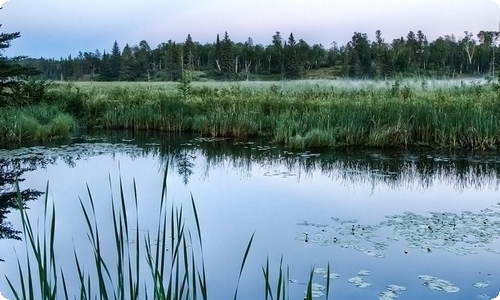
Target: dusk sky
x,y
57,28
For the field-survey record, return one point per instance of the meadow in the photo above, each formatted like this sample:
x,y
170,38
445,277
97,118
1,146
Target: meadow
x,y
299,114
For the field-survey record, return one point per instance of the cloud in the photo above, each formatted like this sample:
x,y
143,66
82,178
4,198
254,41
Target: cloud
x,y
497,2
1,3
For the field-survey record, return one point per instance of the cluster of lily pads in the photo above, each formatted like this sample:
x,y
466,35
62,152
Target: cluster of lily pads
x,y
446,230
391,291
318,290
481,284
75,150
358,281
459,233
438,284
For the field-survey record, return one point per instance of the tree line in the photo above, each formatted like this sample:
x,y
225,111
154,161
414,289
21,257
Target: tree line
x,y
284,58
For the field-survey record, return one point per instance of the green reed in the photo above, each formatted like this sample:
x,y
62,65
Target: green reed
x,y
176,272
465,115
36,123
173,256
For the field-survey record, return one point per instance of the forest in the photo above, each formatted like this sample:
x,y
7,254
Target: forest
x,y
473,55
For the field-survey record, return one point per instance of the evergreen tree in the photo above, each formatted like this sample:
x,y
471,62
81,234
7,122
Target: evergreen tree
x,y
277,59
106,73
303,51
67,72
359,56
412,48
292,64
423,50
173,61
189,54
228,62
378,49
12,73
129,65
115,62
142,55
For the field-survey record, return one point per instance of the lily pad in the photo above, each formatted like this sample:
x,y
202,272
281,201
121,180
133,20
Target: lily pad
x,y
481,284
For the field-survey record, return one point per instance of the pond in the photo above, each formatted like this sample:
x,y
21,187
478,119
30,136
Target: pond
x,y
406,224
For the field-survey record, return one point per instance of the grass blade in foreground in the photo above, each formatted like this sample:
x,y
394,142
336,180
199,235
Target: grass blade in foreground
x,y
176,277
243,264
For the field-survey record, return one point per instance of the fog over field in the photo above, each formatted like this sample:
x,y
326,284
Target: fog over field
x,y
91,25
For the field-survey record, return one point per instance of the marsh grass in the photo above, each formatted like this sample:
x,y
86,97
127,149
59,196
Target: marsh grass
x,y
449,114
35,123
307,114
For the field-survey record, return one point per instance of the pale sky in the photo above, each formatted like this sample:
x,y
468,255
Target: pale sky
x,y
56,28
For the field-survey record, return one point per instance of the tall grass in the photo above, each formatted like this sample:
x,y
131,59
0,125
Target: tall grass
x,y
298,114
34,123
175,269
377,115
173,256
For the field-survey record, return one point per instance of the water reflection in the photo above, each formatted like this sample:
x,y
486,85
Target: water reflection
x,y
396,168
10,171
16,162
210,167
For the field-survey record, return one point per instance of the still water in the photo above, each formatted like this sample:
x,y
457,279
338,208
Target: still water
x,y
405,224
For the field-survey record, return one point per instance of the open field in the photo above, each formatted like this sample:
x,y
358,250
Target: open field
x,y
319,113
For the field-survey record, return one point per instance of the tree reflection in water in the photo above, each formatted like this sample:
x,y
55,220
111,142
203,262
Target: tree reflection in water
x,y
10,172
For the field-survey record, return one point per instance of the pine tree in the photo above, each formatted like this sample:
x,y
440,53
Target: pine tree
x,y
115,62
106,73
292,64
189,54
12,74
277,53
227,64
128,71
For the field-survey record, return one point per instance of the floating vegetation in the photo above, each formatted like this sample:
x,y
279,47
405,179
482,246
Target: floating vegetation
x,y
359,282
446,230
209,139
464,233
392,291
317,290
324,273
481,284
308,154
76,150
494,251
437,284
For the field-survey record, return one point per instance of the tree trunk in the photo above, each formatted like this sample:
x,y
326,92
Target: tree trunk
x,y
218,65
247,68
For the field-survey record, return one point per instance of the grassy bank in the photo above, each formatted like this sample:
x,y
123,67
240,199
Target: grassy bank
x,y
299,114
